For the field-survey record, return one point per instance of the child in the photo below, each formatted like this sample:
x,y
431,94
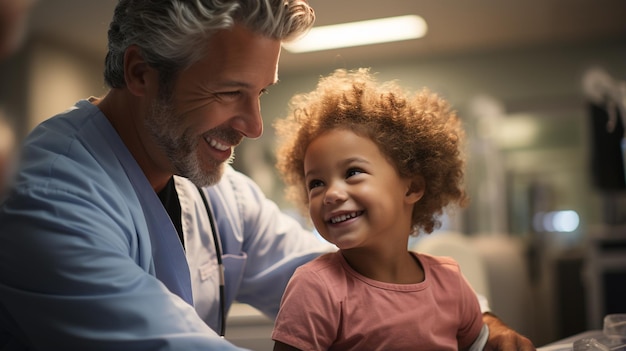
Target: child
x,y
374,165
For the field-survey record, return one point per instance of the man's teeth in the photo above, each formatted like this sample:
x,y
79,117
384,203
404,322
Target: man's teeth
x,y
343,217
217,145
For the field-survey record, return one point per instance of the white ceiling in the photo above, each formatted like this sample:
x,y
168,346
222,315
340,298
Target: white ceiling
x,y
456,27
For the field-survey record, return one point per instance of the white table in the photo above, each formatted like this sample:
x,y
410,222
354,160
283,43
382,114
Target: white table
x,y
566,344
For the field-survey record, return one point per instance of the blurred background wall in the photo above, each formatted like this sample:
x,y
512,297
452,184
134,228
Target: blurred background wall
x,y
553,239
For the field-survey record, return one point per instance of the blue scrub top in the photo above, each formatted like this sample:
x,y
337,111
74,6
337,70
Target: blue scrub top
x,y
89,259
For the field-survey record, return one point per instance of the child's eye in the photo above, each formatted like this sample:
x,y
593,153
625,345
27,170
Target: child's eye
x,y
353,171
315,183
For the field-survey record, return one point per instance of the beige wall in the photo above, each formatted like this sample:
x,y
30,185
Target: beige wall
x,y
58,78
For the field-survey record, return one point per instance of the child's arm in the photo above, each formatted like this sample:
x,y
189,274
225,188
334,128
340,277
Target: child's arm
x,y
279,346
481,340
501,337
309,313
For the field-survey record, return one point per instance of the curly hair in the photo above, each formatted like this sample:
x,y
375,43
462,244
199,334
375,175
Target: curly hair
x,y
171,33
418,133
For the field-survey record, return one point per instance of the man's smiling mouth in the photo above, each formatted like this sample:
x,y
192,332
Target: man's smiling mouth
x,y
216,144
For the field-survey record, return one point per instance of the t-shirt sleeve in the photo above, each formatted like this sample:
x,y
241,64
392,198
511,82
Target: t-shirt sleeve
x,y
471,315
309,315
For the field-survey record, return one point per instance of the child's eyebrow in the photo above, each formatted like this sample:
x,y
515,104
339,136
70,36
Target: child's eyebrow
x,y
343,163
355,159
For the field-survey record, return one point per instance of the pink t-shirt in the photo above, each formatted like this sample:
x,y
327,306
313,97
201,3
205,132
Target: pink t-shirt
x,y
329,306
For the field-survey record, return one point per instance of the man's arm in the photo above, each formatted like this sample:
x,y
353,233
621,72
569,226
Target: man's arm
x,y
73,278
503,338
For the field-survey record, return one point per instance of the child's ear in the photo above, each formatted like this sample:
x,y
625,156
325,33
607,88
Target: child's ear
x,y
415,191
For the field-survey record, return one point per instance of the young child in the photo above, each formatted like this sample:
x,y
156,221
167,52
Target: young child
x,y
374,165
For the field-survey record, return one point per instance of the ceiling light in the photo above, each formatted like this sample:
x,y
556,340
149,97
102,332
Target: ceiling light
x,y
360,33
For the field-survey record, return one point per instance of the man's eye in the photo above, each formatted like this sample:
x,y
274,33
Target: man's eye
x,y
229,94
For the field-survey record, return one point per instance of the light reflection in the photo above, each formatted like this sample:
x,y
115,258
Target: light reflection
x,y
565,221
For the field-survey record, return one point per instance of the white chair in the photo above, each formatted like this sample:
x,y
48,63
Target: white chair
x,y
511,291
495,267
460,248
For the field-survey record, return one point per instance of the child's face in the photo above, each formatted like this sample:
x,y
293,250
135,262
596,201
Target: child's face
x,y
356,197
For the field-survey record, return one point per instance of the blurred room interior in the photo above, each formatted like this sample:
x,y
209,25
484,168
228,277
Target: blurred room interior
x,y
539,84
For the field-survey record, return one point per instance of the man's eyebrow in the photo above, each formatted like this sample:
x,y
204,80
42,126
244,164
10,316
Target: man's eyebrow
x,y
240,84
235,83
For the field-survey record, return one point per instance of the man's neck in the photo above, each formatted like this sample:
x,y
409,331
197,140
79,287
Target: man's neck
x,y
125,114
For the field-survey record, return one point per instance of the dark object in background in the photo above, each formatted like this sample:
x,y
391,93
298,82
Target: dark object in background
x,y
607,155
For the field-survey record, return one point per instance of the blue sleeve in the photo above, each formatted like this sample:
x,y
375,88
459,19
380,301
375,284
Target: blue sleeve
x,y
74,275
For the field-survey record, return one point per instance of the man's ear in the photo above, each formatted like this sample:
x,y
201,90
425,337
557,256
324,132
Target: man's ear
x,y
415,191
137,72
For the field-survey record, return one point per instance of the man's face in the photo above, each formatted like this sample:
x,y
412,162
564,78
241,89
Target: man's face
x,y
214,104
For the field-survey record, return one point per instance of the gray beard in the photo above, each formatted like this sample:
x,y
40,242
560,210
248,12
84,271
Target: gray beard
x,y
180,146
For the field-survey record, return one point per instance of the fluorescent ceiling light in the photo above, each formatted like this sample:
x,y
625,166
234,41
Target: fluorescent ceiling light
x,y
360,33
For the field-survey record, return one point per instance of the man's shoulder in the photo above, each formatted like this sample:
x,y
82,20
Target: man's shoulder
x,y
77,134
72,153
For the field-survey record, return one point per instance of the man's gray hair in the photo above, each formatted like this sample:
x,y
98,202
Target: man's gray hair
x,y
172,34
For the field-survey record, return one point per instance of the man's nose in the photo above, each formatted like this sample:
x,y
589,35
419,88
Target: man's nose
x,y
250,122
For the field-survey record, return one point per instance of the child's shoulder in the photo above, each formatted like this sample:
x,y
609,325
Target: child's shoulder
x,y
431,260
323,262
326,269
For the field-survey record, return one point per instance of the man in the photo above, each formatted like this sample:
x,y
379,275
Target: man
x,y
90,258
7,153
14,16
